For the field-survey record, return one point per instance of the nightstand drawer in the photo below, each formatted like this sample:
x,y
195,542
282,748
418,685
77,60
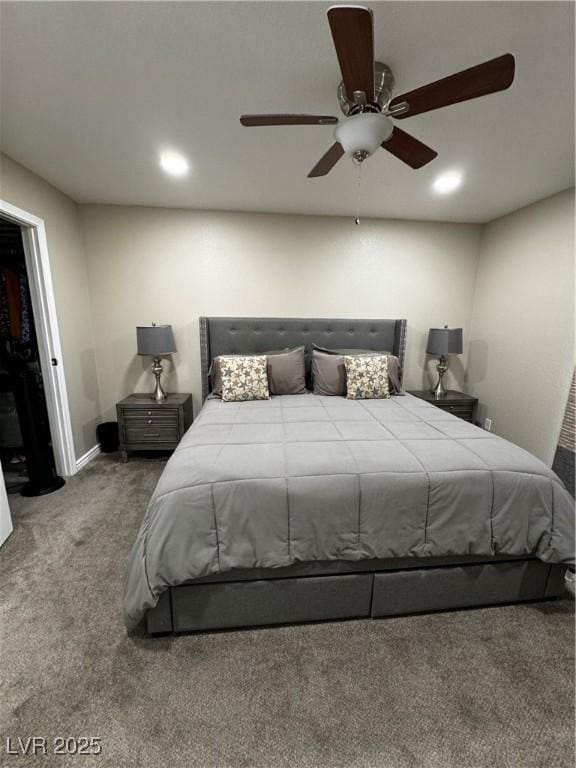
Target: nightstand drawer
x,y
169,419
457,410
169,414
146,433
465,415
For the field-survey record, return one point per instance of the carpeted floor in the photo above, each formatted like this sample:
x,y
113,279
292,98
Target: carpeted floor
x,y
468,689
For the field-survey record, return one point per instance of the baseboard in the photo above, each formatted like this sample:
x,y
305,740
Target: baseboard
x,y
88,456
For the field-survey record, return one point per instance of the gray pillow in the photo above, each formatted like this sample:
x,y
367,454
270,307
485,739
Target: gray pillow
x,y
328,374
351,351
394,374
286,372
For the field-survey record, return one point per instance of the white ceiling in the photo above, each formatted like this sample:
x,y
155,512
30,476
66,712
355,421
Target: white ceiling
x,y
90,92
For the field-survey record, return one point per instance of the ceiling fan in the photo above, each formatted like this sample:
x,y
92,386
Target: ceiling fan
x,y
365,96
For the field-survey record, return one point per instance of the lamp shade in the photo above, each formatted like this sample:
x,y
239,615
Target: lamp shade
x,y
155,340
444,341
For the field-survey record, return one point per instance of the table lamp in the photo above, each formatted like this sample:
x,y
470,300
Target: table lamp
x,y
443,342
156,341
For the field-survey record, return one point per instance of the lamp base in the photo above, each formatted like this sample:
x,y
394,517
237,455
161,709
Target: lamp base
x,y
158,395
439,392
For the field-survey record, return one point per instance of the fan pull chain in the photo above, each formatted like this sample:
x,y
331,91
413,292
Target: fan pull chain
x,y
358,190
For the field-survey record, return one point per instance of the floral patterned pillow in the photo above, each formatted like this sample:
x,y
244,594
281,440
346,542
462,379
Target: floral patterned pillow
x,y
244,378
366,377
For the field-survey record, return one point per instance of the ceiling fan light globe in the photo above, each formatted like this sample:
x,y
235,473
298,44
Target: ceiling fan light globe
x,y
363,133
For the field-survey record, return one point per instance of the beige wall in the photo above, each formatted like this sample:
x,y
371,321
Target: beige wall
x,y
521,345
172,266
67,259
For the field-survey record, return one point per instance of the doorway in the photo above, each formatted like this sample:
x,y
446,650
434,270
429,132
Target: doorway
x,y
26,451
39,274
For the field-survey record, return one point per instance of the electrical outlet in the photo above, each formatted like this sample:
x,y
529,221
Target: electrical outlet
x,y
488,425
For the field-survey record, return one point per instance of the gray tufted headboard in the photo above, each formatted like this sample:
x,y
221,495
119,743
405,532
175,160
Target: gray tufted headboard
x,y
251,335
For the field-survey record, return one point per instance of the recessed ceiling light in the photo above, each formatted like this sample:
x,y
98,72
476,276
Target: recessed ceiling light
x,y
447,182
174,164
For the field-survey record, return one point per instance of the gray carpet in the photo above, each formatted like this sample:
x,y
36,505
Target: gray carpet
x,y
467,689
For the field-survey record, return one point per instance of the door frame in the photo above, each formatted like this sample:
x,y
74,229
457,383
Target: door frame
x,y
48,336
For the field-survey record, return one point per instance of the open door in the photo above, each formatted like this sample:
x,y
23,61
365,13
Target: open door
x,y
25,438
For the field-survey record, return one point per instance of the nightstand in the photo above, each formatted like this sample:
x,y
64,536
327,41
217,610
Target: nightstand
x,y
455,402
145,425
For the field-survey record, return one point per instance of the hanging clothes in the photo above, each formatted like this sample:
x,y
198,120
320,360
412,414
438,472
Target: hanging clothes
x,y
25,315
14,302
4,313
15,310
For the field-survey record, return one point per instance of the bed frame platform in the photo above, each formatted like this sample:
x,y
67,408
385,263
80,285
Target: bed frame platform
x,y
281,598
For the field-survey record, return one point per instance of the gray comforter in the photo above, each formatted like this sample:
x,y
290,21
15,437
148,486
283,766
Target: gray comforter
x,y
303,478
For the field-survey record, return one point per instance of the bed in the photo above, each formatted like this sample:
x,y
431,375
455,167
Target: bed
x,y
306,508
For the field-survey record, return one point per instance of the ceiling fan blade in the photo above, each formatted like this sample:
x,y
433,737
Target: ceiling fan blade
x,y
489,77
254,120
327,161
408,149
353,36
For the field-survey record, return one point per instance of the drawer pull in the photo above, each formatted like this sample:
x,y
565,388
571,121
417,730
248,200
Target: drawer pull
x,y
149,413
152,434
149,421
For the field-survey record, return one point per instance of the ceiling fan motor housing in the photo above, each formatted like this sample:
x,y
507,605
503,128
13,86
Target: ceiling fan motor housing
x,y
383,88
361,135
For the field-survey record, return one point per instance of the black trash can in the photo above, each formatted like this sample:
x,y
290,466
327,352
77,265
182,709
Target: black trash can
x,y
107,434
